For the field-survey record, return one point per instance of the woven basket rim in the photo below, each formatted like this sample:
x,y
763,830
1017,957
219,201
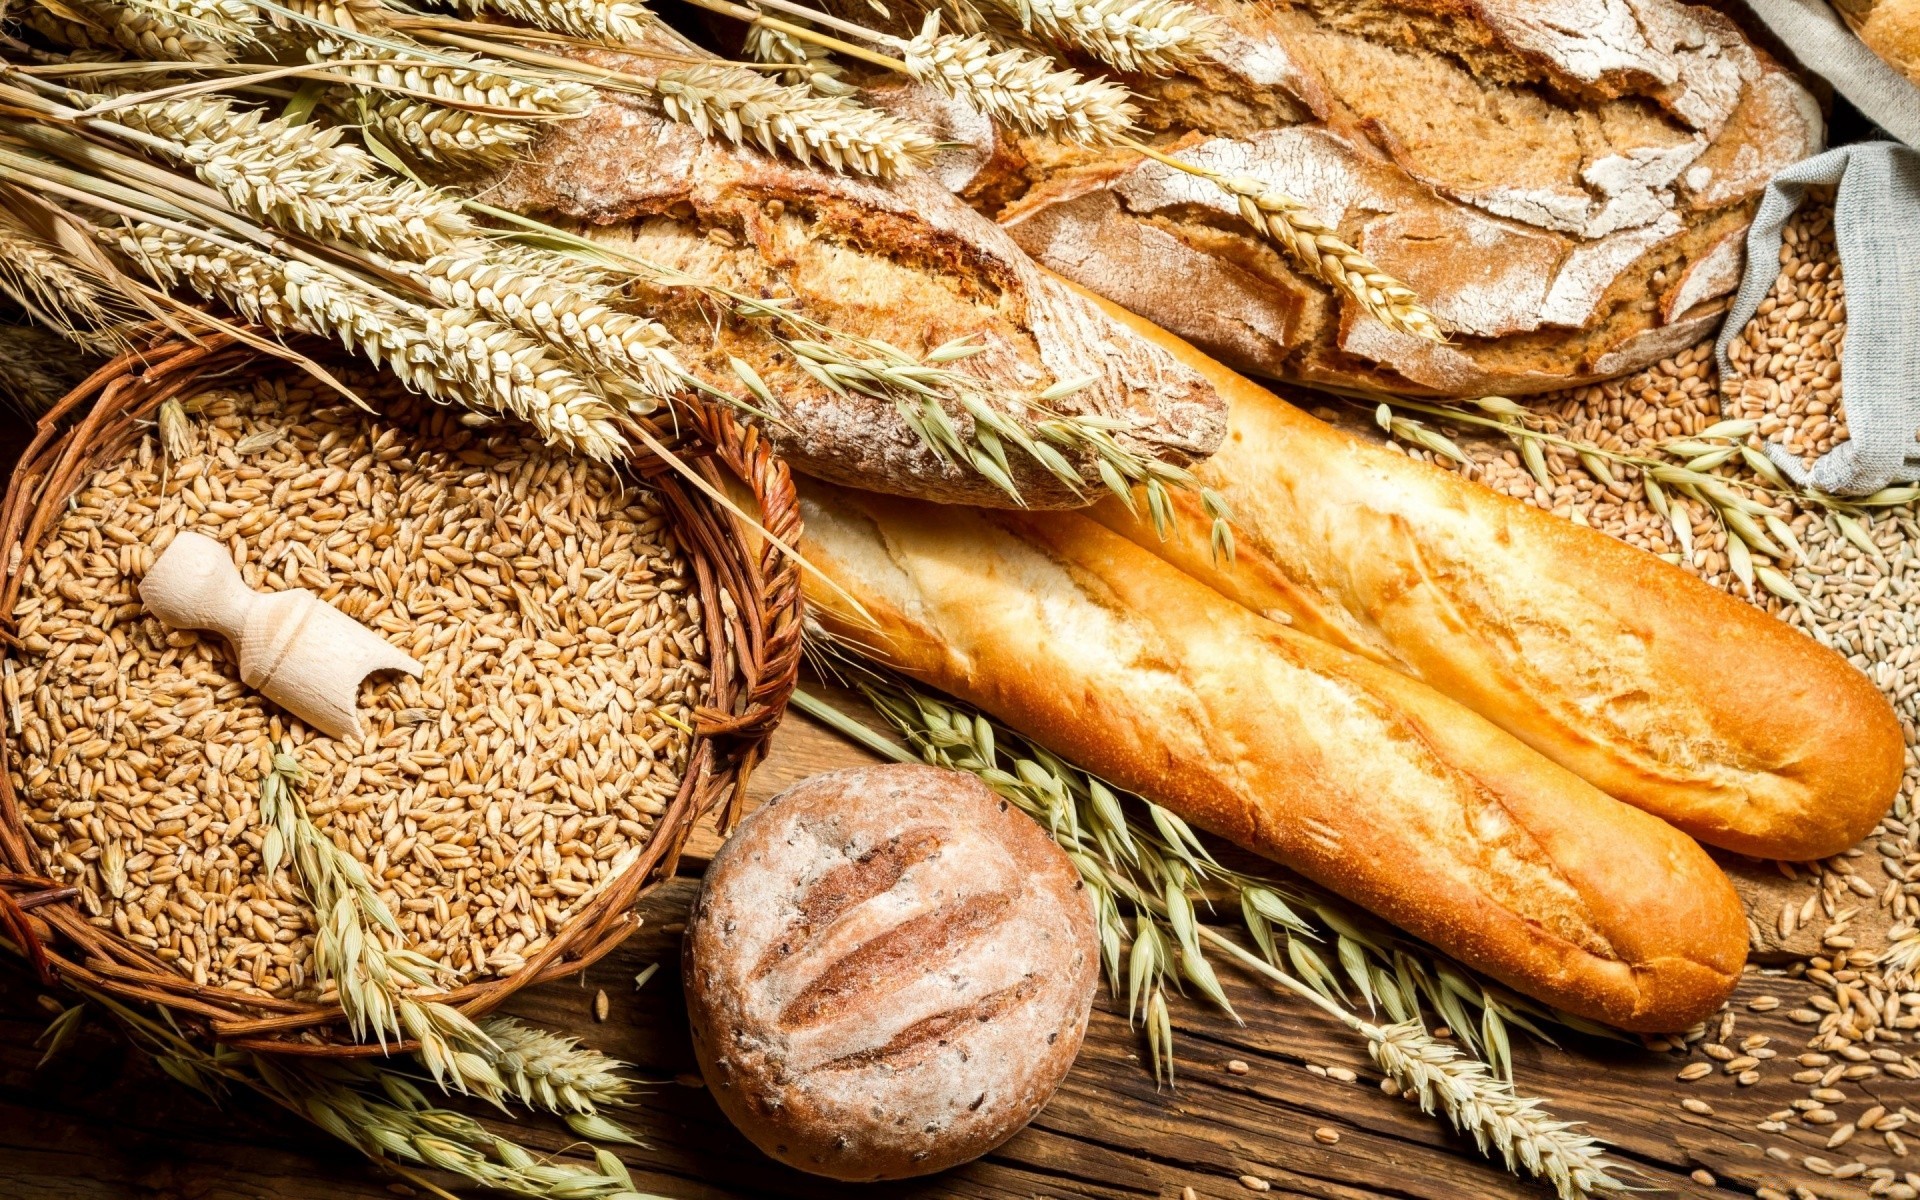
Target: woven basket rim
x,y
753,649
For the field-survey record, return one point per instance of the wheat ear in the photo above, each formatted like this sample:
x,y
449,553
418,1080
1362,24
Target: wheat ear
x,y
385,989
615,22
1146,37
101,24
300,177
746,107
58,293
448,354
1018,88
630,352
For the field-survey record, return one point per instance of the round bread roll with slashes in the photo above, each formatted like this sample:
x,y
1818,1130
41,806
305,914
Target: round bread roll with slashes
x,y
888,971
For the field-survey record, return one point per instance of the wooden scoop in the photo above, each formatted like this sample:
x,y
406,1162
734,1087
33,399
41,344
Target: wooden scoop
x,y
295,649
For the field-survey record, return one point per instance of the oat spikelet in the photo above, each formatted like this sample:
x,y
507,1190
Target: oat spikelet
x,y
1486,1107
302,177
629,351
150,34
749,108
615,22
1019,88
449,354
1145,37
1321,250
58,293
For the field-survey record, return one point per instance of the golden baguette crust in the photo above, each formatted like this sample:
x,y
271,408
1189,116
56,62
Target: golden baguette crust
x,y
1634,674
1367,781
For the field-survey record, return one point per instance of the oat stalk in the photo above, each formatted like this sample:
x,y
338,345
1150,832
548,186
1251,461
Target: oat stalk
x,y
384,988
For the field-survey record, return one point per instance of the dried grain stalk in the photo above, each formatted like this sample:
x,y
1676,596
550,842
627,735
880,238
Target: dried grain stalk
x,y
1140,37
385,989
1156,870
747,108
1018,88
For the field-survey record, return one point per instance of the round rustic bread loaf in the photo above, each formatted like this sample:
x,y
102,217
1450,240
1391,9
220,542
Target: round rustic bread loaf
x,y
888,972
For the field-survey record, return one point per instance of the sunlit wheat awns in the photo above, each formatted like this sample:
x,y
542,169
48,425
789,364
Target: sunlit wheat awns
x,y
150,33
56,292
748,108
1150,37
1019,88
615,22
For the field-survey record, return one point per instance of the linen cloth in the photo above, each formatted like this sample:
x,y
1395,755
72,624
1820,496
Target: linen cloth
x,y
1876,223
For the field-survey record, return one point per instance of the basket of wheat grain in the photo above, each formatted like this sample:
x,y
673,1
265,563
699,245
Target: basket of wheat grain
x,y
604,653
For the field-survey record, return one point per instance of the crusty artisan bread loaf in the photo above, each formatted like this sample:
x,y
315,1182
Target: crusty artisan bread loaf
x,y
903,262
888,972
1658,689
1355,775
1565,183
1890,28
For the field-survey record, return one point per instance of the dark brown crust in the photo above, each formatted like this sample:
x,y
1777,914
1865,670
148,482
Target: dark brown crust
x,y
904,262
888,971
1546,272
1371,783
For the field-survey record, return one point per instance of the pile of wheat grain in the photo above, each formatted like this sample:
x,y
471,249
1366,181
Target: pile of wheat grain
x,y
543,594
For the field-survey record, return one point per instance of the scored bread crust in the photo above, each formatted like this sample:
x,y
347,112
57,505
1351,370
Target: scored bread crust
x,y
1565,184
1636,675
1369,782
904,262
888,971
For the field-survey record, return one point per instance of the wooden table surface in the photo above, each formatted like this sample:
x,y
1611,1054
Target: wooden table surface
x,y
101,1123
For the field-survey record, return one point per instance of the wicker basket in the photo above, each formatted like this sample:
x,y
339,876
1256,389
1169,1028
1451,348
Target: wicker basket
x,y
753,646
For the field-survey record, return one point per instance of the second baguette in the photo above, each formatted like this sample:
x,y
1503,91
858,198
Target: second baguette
x,y
1657,688
1365,780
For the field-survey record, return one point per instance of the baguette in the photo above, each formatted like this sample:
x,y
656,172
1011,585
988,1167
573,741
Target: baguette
x,y
1358,777
1656,688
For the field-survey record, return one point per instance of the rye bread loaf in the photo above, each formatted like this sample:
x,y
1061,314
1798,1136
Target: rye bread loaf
x,y
1658,689
1565,183
904,262
1355,775
888,971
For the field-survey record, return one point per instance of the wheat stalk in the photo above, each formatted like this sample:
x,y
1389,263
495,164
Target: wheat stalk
x,y
1751,527
553,302
1012,86
448,133
615,22
1156,868
385,989
1900,962
811,63
746,107
58,292
557,1074
147,32
448,354
1320,249
299,177
1151,37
